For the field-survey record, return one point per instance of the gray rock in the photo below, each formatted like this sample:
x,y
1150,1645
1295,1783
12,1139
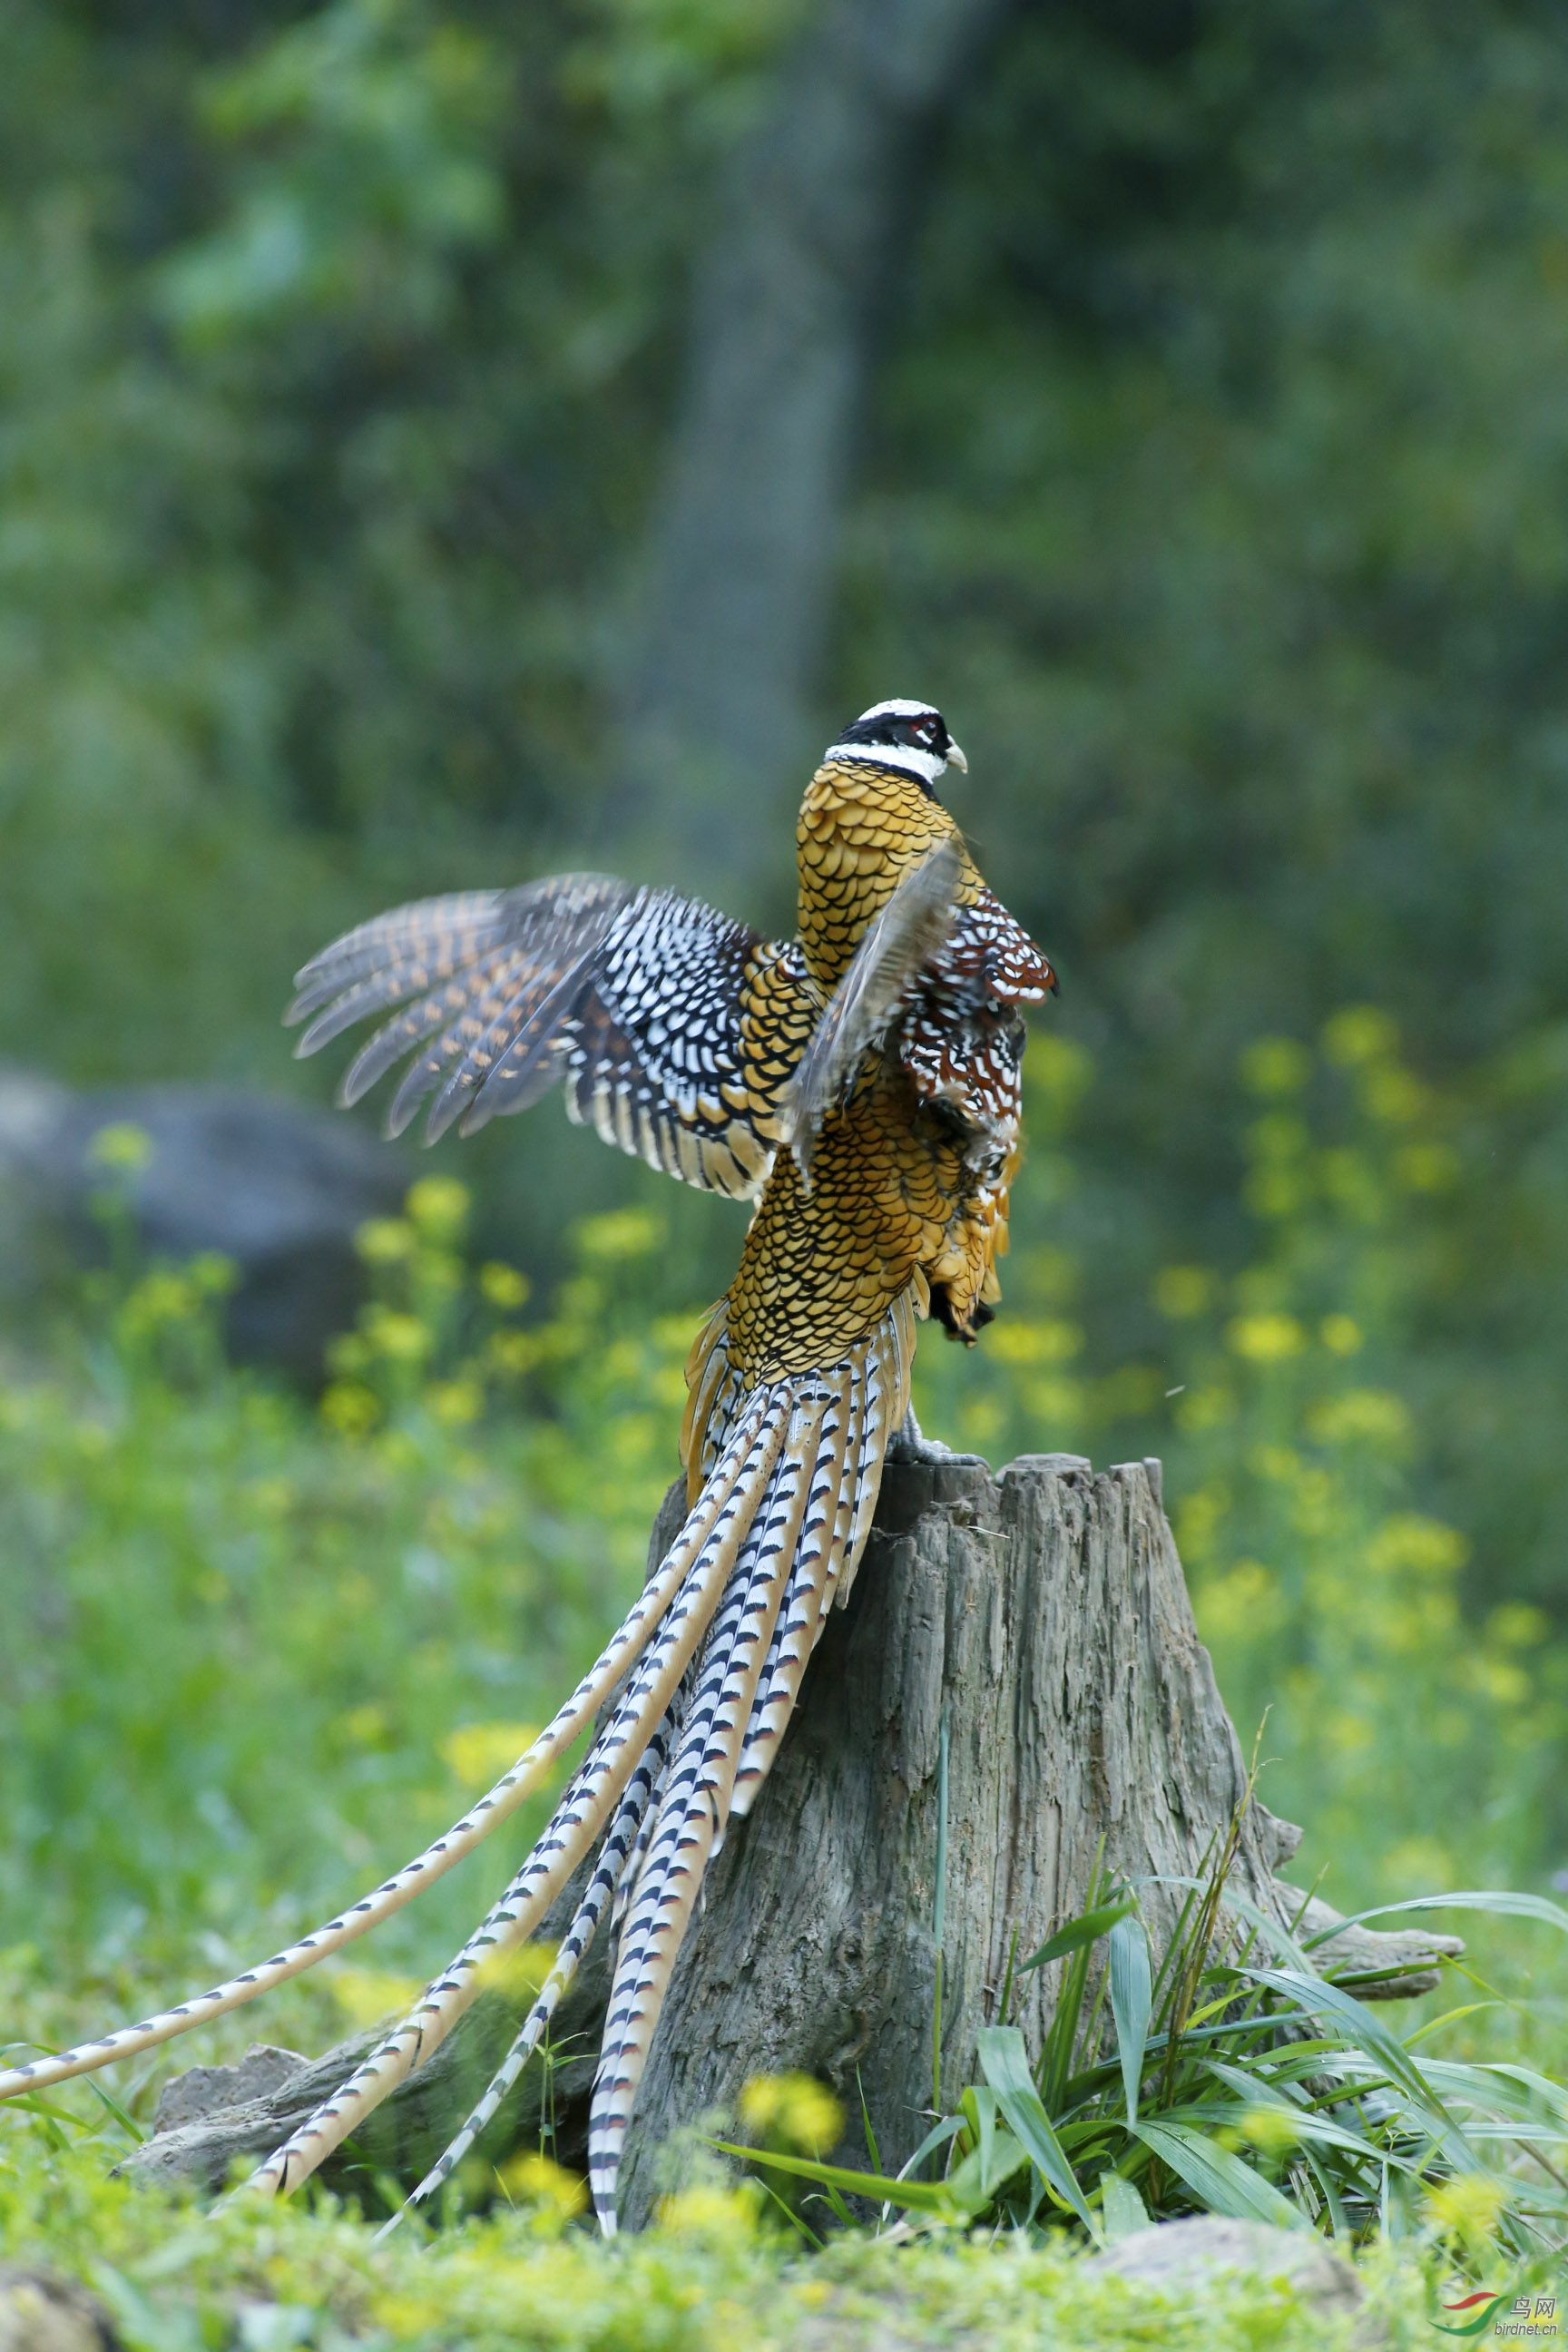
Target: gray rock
x,y
1182,2260
42,2311
277,1188
203,2090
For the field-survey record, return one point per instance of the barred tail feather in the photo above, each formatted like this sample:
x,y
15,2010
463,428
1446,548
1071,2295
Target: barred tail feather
x,y
510,1791
816,1525
696,1803
616,1858
577,1821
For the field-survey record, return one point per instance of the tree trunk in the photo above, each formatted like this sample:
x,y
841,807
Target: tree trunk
x,y
1038,1625
814,211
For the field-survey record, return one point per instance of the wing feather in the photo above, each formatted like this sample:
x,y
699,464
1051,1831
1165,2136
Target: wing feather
x,y
667,1020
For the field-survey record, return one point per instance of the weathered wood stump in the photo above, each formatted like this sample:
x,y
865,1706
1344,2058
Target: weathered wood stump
x,y
1043,1617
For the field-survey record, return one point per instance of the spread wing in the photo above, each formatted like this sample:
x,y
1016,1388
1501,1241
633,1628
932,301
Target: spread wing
x,y
638,999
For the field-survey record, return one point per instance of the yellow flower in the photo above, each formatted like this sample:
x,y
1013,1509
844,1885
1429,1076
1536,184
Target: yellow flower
x,y
1058,1068
1426,1167
1425,1547
505,1286
384,1240
1047,1341
350,1408
517,1976
363,1727
1360,1033
1393,1094
479,1753
1244,1604
792,2109
512,1353
1204,1409
1274,1065
1467,2207
1274,1191
367,1995
402,1337
1273,2129
1267,1338
1372,1416
454,1403
535,2179
1518,1626
123,1148
619,1235
722,2215
1341,1334
1182,1291
439,1206
158,1299
214,1274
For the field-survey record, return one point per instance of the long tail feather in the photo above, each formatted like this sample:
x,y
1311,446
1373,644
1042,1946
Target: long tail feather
x,y
614,1859
576,1822
696,1804
510,1791
839,1469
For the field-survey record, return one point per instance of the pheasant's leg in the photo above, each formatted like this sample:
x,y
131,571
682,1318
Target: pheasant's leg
x,y
910,1445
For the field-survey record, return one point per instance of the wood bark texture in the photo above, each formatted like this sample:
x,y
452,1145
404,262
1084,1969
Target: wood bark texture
x,y
1042,1616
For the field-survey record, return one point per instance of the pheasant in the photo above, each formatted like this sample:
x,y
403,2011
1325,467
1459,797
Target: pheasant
x,y
862,1083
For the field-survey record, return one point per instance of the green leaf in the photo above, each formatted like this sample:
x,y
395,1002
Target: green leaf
x,y
1219,2177
1319,1998
983,2171
1308,2124
1124,2210
1503,1902
1087,1929
1006,2064
921,2196
1131,1997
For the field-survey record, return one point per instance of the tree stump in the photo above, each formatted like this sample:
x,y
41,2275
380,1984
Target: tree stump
x,y
1038,1622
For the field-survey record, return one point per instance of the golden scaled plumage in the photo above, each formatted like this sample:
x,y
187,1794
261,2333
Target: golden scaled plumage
x,y
893,1198
861,829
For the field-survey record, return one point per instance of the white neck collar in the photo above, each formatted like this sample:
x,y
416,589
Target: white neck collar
x,y
906,758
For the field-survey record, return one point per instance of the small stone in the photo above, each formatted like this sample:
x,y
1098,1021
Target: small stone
x,y
1182,2259
210,2090
42,2311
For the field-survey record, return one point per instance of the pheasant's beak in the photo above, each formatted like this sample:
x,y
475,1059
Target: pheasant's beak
x,y
955,758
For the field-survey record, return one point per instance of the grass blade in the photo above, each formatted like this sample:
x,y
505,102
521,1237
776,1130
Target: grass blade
x,y
1087,1929
1124,2210
919,2196
1006,2064
1219,2179
1131,1998
1506,1903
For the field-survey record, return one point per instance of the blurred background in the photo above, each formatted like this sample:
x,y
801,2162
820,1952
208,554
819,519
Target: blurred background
x,y
444,444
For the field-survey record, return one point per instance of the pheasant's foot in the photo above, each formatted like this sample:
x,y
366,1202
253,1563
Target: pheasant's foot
x,y
910,1445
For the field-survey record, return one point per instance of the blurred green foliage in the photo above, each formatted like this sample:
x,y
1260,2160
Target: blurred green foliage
x,y
710,2272
258,1644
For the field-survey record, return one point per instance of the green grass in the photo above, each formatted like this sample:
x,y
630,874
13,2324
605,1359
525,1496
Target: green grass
x,y
710,2272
